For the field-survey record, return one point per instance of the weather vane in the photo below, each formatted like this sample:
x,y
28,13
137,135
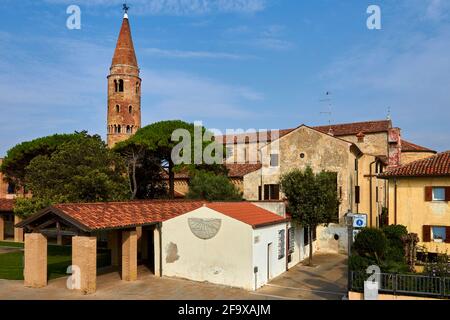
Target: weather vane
x,y
125,8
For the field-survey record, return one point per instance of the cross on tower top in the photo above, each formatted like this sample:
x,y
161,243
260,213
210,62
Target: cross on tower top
x,y
125,8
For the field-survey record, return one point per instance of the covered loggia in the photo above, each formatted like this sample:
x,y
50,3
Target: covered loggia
x,y
132,231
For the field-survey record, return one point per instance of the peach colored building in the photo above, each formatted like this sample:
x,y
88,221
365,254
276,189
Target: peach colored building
x,y
419,195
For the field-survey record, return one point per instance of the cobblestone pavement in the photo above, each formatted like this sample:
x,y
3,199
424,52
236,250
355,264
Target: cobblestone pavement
x,y
325,281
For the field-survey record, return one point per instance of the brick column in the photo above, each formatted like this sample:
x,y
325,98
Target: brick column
x,y
129,255
84,257
157,250
35,269
114,245
18,232
2,227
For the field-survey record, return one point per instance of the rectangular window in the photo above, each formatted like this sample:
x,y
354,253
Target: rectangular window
x,y
281,244
259,193
271,192
438,194
439,234
291,240
376,194
274,160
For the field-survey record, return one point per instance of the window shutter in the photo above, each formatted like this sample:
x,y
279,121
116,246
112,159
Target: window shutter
x,y
357,194
428,193
447,234
275,192
266,192
447,194
426,233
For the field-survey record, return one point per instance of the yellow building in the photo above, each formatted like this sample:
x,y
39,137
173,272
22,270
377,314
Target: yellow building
x,y
419,198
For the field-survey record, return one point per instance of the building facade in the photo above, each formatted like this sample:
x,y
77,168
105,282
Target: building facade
x,y
419,195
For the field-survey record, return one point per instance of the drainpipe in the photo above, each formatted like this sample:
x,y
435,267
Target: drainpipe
x,y
262,185
371,195
395,201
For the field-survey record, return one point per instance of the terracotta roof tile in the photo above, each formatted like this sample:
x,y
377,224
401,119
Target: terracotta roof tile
x,y
6,205
247,213
117,215
355,128
412,147
240,170
437,165
235,170
124,53
96,216
345,129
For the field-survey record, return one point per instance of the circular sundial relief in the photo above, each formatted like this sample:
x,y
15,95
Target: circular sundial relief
x,y
204,229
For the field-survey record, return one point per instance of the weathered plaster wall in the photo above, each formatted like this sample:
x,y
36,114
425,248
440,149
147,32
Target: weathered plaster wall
x,y
263,256
414,212
226,259
364,177
374,143
321,152
276,207
408,157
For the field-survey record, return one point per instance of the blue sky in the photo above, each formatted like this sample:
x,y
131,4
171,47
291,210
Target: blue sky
x,y
261,64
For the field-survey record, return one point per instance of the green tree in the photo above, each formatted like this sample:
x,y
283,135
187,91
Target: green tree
x,y
20,156
80,170
212,187
152,145
312,198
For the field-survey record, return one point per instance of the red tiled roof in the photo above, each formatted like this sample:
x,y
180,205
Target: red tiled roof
x,y
437,165
240,170
96,216
247,213
411,147
345,129
116,215
6,205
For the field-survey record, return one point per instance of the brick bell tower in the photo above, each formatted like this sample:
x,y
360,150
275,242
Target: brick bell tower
x,y
124,89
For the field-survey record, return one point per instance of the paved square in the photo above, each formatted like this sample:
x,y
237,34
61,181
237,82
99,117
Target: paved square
x,y
326,281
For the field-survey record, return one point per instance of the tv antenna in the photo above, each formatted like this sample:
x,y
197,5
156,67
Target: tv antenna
x,y
389,116
328,101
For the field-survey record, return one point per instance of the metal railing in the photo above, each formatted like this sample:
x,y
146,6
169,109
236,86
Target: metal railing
x,y
405,284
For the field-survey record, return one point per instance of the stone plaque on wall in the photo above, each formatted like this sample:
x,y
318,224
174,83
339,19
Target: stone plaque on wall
x,y
204,229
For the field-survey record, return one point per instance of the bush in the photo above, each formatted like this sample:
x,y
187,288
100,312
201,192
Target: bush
x,y
371,243
394,234
359,264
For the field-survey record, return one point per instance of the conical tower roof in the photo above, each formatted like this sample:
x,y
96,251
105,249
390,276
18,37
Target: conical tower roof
x,y
125,54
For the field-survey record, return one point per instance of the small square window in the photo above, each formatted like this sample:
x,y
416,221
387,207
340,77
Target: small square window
x,y
438,234
274,160
438,194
